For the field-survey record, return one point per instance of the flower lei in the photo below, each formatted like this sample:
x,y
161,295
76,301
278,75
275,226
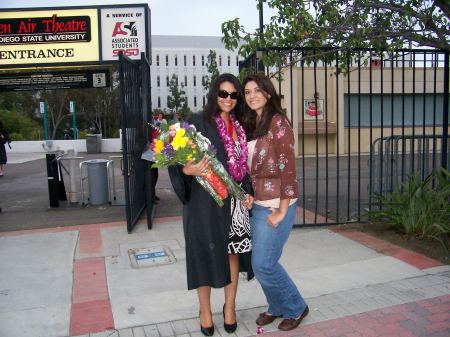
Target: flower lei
x,y
237,167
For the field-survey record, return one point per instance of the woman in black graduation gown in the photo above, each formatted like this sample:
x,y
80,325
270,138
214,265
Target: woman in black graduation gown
x,y
217,238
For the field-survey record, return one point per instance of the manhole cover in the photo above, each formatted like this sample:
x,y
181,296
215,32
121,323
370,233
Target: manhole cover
x,y
151,256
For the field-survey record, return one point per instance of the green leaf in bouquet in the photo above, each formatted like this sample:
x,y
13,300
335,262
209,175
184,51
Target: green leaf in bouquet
x,y
164,127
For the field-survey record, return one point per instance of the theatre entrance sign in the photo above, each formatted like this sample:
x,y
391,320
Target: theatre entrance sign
x,y
64,42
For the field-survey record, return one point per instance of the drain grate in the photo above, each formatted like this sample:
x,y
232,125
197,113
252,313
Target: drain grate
x,y
151,256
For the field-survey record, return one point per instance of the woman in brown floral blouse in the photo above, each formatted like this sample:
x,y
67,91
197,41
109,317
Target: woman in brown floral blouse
x,y
272,169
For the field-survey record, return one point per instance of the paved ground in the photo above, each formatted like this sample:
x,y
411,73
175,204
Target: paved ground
x,y
80,278
333,194
26,204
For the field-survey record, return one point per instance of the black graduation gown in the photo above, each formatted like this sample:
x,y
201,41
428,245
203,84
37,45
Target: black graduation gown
x,y
6,139
206,225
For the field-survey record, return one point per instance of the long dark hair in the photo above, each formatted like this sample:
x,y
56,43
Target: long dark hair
x,y
255,130
212,108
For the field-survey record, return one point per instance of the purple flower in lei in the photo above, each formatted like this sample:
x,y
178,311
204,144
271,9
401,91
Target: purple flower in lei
x,y
237,167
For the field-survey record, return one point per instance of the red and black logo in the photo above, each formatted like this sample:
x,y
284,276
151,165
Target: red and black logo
x,y
125,28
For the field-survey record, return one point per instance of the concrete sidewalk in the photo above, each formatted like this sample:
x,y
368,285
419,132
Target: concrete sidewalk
x,y
80,281
75,274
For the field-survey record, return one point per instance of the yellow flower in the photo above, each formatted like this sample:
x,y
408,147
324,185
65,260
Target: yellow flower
x,y
159,144
180,133
189,157
179,142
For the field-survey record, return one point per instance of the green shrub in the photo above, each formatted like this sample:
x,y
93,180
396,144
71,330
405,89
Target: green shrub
x,y
20,127
116,133
420,208
17,136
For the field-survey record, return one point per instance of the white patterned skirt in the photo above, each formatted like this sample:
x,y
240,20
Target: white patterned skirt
x,y
239,237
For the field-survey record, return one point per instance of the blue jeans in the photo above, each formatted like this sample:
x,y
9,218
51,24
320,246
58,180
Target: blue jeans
x,y
282,295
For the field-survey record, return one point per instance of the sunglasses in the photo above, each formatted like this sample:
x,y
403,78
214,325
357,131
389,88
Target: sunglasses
x,y
225,94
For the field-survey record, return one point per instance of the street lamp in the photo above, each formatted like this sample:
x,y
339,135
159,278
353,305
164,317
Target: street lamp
x,y
259,54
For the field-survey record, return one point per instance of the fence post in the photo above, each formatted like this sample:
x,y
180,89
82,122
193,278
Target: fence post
x,y
445,113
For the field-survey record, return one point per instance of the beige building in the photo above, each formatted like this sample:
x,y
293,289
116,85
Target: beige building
x,y
343,105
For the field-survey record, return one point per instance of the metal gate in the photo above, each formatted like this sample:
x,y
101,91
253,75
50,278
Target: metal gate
x,y
135,113
364,128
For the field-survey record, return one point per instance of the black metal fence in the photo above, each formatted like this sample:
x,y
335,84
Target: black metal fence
x,y
363,129
135,115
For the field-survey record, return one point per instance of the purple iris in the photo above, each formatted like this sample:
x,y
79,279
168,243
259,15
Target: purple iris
x,y
188,127
168,151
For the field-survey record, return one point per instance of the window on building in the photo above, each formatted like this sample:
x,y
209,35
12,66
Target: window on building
x,y
195,81
167,60
383,116
167,80
157,60
229,60
220,60
237,61
203,60
185,60
185,80
204,100
158,81
193,60
159,102
176,60
195,101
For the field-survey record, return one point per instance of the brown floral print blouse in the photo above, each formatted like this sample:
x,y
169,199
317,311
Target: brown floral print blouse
x,y
272,169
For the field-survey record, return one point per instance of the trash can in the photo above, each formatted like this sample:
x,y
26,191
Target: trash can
x,y
93,143
97,172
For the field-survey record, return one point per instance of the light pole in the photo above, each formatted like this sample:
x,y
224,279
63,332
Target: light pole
x,y
444,158
259,64
73,109
261,18
43,110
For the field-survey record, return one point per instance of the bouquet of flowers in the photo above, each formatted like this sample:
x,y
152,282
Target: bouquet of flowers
x,y
177,144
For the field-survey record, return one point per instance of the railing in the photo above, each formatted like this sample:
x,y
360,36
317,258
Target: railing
x,y
395,158
371,117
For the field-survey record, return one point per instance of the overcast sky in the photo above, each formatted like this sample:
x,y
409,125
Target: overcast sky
x,y
174,17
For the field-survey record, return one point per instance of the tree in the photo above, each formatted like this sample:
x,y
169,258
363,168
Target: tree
x,y
177,98
20,126
21,102
185,110
99,108
342,25
211,66
57,109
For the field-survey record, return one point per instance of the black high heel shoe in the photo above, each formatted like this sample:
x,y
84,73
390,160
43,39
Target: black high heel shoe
x,y
209,331
230,328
